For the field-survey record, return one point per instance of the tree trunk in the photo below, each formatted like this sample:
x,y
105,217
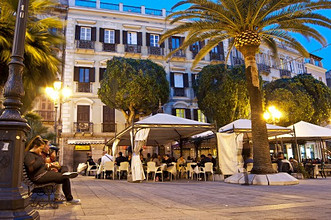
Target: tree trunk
x,y
261,150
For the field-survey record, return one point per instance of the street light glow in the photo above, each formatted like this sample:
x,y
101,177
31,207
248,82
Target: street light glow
x,y
66,92
272,113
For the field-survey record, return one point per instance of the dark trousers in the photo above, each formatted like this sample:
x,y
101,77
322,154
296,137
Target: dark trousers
x,y
55,177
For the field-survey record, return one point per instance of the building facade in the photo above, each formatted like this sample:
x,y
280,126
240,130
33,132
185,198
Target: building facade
x,y
98,30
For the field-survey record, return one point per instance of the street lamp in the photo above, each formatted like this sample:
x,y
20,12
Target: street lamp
x,y
57,94
272,114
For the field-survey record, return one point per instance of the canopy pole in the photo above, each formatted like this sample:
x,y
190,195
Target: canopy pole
x,y
181,146
296,145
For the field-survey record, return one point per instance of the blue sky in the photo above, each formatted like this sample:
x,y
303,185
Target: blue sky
x,y
311,46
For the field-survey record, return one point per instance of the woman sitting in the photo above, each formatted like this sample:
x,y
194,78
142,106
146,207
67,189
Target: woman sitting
x,y
38,173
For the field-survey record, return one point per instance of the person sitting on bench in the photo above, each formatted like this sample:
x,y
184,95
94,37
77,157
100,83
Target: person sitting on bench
x,y
37,172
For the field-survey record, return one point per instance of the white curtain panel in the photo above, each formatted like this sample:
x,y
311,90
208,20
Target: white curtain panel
x,y
114,147
136,166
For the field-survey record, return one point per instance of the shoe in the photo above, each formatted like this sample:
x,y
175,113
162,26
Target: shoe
x,y
70,174
74,201
60,199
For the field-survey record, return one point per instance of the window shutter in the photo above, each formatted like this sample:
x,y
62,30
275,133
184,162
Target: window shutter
x,y
76,74
125,37
181,40
92,74
102,71
170,42
173,112
188,113
102,35
193,79
172,79
77,33
201,44
195,114
139,39
185,79
191,47
162,45
93,33
117,37
148,39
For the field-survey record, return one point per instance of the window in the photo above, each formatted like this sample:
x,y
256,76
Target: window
x,y
175,42
85,33
109,37
214,50
180,112
282,63
179,83
154,40
201,116
84,75
132,38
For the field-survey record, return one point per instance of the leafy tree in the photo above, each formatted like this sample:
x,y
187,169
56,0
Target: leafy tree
x,y
247,24
41,46
222,94
300,98
133,86
37,128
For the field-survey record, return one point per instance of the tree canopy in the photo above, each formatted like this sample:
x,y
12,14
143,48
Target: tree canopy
x,y
134,86
222,94
300,98
41,46
37,127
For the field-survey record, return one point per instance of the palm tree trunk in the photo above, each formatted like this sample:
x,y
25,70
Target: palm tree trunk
x,y
261,150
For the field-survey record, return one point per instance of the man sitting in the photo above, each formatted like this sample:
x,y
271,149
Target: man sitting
x,y
283,164
105,158
204,160
120,159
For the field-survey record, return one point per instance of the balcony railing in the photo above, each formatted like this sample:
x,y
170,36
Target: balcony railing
x,y
179,92
46,115
129,48
131,9
179,53
150,11
86,127
84,87
109,47
86,3
284,73
263,68
85,44
156,51
238,61
109,6
216,56
108,127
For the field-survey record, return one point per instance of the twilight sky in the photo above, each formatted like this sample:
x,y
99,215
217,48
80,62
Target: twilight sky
x,y
312,46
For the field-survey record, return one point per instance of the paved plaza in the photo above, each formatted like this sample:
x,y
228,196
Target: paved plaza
x,y
108,199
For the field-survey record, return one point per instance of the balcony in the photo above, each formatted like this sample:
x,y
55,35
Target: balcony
x,y
263,68
179,92
130,48
157,51
156,12
80,127
238,61
109,47
284,73
108,127
85,44
179,53
216,56
46,115
84,87
132,9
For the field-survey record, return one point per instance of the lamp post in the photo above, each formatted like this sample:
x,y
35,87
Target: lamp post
x,y
14,202
58,95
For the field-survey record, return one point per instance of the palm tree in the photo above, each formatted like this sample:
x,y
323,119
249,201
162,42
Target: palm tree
x,y
247,24
41,46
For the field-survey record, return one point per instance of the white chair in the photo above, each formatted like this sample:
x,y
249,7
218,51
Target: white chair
x,y
109,166
209,169
189,170
172,170
124,166
160,170
198,170
91,169
151,168
275,167
249,167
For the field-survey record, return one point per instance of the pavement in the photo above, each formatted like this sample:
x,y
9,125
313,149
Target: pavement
x,y
182,199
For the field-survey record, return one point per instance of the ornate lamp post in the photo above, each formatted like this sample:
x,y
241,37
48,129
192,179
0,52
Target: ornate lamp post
x,y
57,94
14,202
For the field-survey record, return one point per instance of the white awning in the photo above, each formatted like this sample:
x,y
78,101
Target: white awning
x,y
86,141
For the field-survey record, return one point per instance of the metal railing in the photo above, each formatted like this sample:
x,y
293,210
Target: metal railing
x,y
86,3
150,11
109,6
85,44
284,73
86,127
179,53
109,47
179,92
132,9
156,51
84,87
130,48
263,68
216,56
108,127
